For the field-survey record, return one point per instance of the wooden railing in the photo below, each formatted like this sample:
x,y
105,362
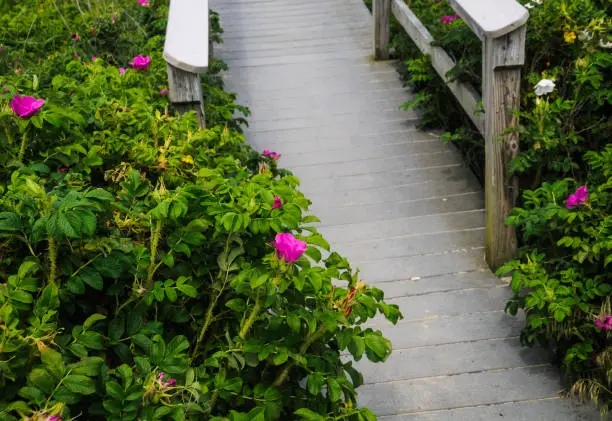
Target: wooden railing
x,y
186,52
500,24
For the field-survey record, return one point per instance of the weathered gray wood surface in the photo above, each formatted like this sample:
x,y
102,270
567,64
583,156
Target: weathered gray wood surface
x,y
397,202
381,16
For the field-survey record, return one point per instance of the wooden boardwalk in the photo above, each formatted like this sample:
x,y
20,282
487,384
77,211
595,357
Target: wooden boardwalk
x,y
397,202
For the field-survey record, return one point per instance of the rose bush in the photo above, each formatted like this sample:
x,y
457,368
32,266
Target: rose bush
x,y
562,278
150,269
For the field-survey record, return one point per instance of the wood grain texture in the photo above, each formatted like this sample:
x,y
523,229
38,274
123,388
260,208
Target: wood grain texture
x,y
501,87
185,90
492,19
440,60
381,19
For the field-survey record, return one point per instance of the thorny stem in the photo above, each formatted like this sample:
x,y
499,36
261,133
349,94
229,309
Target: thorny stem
x,y
22,148
211,307
155,235
309,341
52,260
249,322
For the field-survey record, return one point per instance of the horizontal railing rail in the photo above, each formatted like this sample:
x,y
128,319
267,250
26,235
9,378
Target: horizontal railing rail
x,y
501,26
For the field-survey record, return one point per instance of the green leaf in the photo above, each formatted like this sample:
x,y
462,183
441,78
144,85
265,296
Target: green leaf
x,y
280,357
42,379
314,384
309,415
32,394
53,361
80,384
88,367
357,347
231,222
333,389
92,340
188,290
236,304
115,391
378,345
259,280
89,322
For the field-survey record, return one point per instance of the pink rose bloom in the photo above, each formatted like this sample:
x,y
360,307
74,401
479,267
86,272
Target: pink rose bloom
x,y
143,2
278,203
288,247
54,418
580,196
75,37
169,383
122,71
161,376
94,58
449,19
571,202
163,92
75,55
605,323
113,19
140,63
271,154
26,106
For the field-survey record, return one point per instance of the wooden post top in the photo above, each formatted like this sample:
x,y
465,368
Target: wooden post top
x,y
186,46
491,18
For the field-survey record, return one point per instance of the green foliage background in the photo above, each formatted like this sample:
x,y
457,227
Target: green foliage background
x,y
134,243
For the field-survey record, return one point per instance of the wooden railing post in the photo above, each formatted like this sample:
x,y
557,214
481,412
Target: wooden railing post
x,y
502,61
185,89
381,16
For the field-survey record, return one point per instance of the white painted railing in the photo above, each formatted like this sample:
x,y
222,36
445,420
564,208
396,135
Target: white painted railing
x,y
186,52
500,24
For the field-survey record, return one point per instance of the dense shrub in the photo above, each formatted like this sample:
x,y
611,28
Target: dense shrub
x,y
150,269
562,277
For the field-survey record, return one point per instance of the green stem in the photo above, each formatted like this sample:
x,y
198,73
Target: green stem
x,y
309,341
52,260
22,148
207,322
249,322
155,235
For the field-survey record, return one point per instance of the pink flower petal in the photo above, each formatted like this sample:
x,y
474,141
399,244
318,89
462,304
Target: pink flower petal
x,y
288,247
26,106
571,202
582,194
140,63
278,203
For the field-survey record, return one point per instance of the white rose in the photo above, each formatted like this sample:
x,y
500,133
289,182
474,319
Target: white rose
x,y
545,86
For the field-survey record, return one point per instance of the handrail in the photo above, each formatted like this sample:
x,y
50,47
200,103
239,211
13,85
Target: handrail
x,y
500,25
186,51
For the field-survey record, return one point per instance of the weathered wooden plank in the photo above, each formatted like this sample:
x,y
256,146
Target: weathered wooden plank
x,y
430,265
451,359
491,19
445,330
550,409
438,393
186,45
449,282
185,92
440,60
381,16
501,87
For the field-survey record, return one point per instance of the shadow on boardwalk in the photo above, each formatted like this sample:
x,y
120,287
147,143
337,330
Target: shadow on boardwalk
x,y
397,202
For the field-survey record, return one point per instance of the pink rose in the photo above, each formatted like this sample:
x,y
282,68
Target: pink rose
x,y
163,92
143,2
54,418
278,203
75,37
140,63
605,323
271,154
169,383
161,376
122,71
94,58
288,247
26,106
449,19
580,196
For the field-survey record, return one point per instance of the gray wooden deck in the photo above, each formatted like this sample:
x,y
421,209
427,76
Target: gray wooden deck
x,y
394,200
